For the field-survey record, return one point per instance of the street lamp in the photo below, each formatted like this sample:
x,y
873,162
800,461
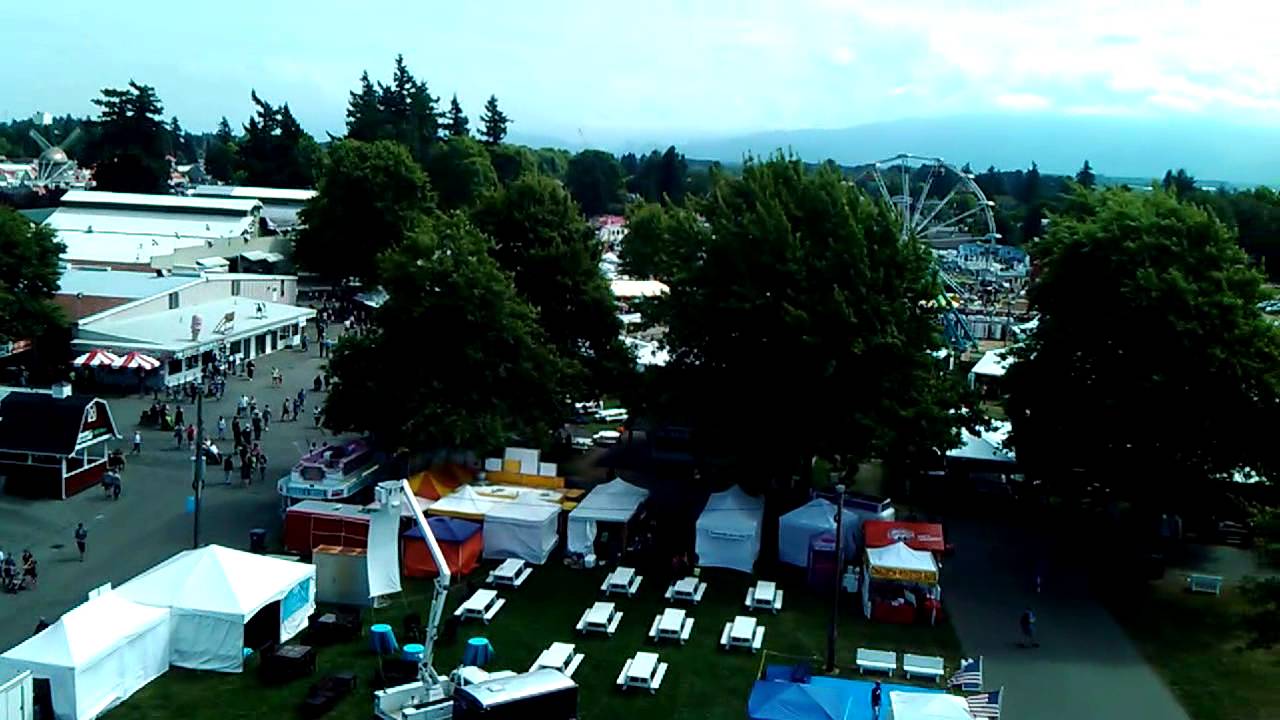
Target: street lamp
x,y
835,588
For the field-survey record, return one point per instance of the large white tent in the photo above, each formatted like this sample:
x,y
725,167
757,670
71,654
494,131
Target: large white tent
x,y
96,655
901,562
926,706
613,502
989,445
798,527
214,592
521,529
728,530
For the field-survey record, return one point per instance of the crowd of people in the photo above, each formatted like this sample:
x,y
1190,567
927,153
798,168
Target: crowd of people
x,y
16,576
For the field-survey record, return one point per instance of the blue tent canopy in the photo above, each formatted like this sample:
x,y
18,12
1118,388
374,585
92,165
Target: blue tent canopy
x,y
772,700
446,529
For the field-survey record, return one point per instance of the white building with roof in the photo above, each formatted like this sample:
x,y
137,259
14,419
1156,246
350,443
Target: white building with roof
x,y
184,320
138,231
280,206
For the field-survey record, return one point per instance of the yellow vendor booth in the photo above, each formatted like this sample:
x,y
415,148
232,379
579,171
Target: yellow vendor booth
x,y
901,585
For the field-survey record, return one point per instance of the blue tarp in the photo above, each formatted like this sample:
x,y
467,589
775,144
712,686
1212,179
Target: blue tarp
x,y
772,700
446,529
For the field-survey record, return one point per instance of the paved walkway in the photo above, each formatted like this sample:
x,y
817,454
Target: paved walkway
x,y
1086,667
150,523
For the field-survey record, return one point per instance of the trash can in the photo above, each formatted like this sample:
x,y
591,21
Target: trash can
x,y
258,541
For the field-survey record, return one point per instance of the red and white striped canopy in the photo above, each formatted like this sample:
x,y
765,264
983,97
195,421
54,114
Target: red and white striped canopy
x,y
135,359
96,358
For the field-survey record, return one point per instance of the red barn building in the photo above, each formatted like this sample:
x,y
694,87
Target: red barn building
x,y
52,443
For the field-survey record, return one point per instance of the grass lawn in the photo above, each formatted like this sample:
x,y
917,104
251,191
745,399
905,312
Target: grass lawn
x,y
1195,642
702,681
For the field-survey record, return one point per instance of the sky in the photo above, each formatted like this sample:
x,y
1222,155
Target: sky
x,y
598,70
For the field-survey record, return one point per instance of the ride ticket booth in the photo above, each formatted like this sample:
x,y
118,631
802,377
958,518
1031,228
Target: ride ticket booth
x,y
52,443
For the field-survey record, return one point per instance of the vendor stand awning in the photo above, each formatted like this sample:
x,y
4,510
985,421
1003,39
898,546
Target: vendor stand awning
x,y
901,563
96,358
920,536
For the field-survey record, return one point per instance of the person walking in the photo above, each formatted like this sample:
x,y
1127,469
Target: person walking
x,y
177,416
266,418
228,467
236,433
249,367
257,427
1028,625
875,700
137,443
260,462
191,436
29,574
316,413
222,428
246,469
242,406
177,435
81,536
284,410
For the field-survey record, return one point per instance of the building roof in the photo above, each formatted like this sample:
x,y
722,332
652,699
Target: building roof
x,y
38,422
993,363
170,330
638,288
137,235
265,194
142,201
96,282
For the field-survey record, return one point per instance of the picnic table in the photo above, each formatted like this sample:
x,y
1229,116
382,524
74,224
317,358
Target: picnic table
x,y
600,617
560,656
688,589
622,580
671,624
764,596
742,631
511,573
643,671
483,605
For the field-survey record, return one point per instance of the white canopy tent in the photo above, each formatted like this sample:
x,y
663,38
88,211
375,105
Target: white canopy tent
x,y
613,502
987,445
728,530
901,559
798,527
213,592
96,655
521,529
926,706
993,364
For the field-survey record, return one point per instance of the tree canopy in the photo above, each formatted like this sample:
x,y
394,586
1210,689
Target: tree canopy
x,y
659,176
28,277
511,162
456,122
1151,368
461,172
370,198
1085,176
275,150
594,179
493,122
456,358
805,322
130,141
541,238
404,111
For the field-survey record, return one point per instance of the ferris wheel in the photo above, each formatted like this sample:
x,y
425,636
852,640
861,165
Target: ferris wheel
x,y
934,201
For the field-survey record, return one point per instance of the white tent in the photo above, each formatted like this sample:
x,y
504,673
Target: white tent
x,y
899,556
797,528
464,503
613,502
521,529
993,364
987,445
96,655
728,530
926,706
214,592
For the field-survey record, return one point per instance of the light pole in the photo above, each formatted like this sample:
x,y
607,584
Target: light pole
x,y
197,482
835,590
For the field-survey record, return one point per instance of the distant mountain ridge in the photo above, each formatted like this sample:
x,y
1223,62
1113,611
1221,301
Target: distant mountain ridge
x,y
1130,147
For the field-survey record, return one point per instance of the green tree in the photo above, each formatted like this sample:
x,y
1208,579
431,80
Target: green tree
x,y
130,141
511,162
456,122
594,179
493,122
1263,618
364,113
370,198
803,291
541,238
492,378
275,150
1085,176
1181,183
224,133
1149,342
29,275
179,142
552,162
460,172
659,177
652,247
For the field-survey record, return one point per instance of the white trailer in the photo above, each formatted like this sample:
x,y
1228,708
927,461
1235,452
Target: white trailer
x,y
17,698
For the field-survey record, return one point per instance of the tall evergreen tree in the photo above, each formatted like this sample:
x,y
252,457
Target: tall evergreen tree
x,y
276,151
1085,176
224,133
456,122
131,140
364,112
494,122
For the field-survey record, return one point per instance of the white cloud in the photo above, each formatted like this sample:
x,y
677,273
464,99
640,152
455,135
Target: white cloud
x,y
1175,102
842,55
1023,101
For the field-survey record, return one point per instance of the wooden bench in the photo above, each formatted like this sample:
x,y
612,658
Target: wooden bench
x,y
758,641
686,631
524,575
493,610
922,665
882,660
777,602
656,682
573,664
1205,584
653,628
634,587
613,623
622,676
581,627
724,636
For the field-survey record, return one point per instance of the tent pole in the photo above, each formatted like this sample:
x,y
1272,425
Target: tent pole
x,y
835,586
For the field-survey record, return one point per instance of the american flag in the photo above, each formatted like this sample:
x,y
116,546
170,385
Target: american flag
x,y
986,705
969,674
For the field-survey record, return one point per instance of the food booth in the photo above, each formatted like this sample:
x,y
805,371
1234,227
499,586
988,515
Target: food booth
x,y
916,535
901,585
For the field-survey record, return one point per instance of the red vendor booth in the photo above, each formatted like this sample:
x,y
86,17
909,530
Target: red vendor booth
x,y
53,444
460,540
312,523
917,536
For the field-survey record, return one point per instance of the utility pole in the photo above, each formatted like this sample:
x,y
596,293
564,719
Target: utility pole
x,y
197,482
835,589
